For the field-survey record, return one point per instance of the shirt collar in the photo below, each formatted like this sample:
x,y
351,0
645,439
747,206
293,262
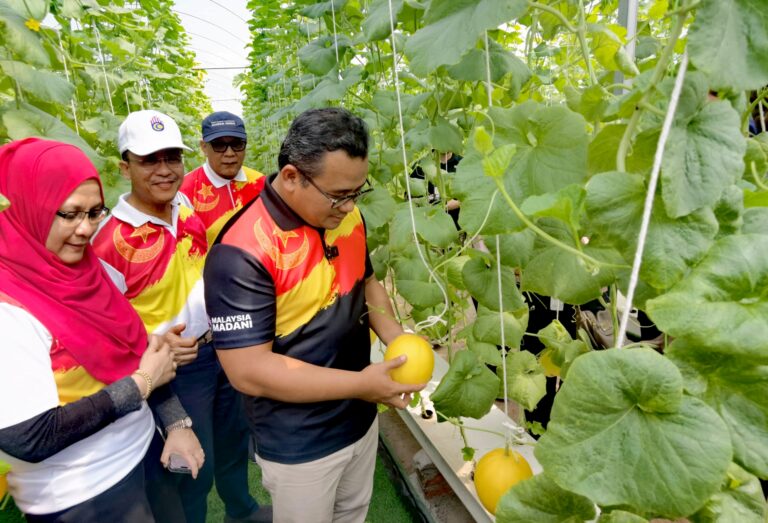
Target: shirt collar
x,y
129,214
285,217
219,182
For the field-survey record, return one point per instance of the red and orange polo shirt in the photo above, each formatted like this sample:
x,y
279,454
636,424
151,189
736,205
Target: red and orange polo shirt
x,y
216,199
157,265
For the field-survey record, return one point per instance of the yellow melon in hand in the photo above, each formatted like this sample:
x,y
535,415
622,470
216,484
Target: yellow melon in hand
x,y
421,359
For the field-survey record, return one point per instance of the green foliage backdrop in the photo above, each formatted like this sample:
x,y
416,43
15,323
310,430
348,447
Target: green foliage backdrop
x,y
557,155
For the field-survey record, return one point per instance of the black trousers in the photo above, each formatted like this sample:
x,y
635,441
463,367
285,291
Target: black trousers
x,y
148,494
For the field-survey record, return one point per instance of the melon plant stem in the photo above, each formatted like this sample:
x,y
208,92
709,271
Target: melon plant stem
x,y
554,241
658,74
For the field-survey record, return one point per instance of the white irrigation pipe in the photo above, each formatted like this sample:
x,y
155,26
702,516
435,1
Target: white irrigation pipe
x,y
650,196
432,320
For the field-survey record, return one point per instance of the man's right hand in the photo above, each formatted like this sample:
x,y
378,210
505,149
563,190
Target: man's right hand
x,y
184,349
381,388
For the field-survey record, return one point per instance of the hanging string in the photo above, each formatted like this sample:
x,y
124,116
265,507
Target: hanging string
x,y
72,104
431,320
649,198
489,89
335,37
103,68
309,41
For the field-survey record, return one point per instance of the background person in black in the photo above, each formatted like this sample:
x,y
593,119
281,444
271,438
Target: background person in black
x,y
291,295
448,163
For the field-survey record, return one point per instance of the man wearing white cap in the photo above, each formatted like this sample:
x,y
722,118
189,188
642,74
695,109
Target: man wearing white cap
x,y
154,246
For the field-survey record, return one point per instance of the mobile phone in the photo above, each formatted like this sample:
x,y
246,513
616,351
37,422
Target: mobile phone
x,y
179,465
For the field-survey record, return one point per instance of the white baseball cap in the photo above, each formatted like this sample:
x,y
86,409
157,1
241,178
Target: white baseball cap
x,y
145,132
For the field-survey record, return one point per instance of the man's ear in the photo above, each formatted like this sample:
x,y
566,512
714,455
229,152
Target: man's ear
x,y
124,170
202,147
290,176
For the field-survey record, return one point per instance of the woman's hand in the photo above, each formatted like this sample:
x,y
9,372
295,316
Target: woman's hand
x,y
184,349
157,362
184,443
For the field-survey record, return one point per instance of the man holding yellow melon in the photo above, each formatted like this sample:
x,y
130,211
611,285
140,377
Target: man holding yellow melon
x,y
291,295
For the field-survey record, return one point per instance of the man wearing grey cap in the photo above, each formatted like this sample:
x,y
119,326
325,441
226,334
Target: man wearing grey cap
x,y
153,247
221,186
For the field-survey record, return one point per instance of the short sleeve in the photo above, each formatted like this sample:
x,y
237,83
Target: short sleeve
x,y
25,371
239,298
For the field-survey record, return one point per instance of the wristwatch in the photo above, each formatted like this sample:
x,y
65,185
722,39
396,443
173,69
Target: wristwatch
x,y
183,423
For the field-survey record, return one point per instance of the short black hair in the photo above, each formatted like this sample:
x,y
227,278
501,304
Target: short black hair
x,y
318,131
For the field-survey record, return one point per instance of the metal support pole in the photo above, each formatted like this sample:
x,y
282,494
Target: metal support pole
x,y
628,19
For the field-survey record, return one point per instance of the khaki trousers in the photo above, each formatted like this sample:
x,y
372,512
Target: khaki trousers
x,y
336,488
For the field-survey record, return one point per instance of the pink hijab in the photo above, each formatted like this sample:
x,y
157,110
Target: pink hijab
x,y
78,303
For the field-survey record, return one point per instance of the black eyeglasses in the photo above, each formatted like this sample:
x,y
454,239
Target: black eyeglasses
x,y
172,159
338,201
95,216
236,145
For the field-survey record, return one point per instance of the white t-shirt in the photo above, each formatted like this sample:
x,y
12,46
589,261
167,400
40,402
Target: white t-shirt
x,y
27,388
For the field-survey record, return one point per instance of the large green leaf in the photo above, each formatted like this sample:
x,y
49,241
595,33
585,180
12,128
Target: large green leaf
x,y
317,10
378,208
36,9
621,420
554,271
413,282
453,27
44,85
330,88
551,146
722,303
468,389
476,191
741,500
445,136
516,248
377,25
487,327
755,220
433,226
564,205
615,204
22,40
738,391
620,516
482,282
729,41
472,68
319,56
526,383
541,500
603,148
704,155
31,121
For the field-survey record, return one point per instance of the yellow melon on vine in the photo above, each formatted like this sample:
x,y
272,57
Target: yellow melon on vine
x,y
497,472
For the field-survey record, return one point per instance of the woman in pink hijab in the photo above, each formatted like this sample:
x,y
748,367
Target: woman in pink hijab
x,y
76,366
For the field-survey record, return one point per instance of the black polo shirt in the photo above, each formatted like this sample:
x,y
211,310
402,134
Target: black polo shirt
x,y
272,277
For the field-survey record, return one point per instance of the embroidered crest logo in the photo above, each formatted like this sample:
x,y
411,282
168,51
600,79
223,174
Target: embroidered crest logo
x,y
157,124
138,254
283,260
